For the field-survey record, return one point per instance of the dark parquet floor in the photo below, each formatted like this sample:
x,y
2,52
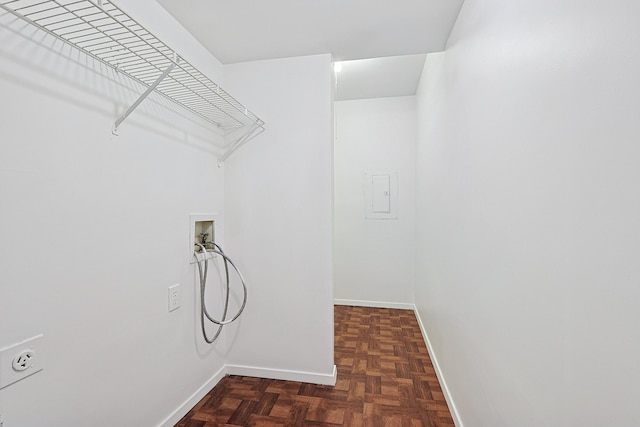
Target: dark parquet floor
x,y
385,379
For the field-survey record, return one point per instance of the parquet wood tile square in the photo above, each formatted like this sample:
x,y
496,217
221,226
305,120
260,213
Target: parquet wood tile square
x,y
385,379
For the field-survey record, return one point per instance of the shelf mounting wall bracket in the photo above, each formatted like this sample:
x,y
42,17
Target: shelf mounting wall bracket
x,y
146,93
253,131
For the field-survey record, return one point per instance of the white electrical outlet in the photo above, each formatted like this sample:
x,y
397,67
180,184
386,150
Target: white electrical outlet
x,y
20,360
174,297
23,360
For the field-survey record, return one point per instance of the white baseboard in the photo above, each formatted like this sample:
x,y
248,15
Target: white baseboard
x,y
248,371
310,377
443,384
183,409
279,374
376,304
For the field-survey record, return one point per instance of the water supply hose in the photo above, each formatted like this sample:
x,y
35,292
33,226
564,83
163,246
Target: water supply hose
x,y
202,273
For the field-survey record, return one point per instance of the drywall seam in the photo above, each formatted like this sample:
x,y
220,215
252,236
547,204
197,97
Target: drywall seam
x,y
281,374
443,384
376,304
185,407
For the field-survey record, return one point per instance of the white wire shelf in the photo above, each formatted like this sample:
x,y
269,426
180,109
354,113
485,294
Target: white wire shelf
x,y
103,31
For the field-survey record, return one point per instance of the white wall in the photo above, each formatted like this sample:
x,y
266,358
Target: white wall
x,y
528,207
374,258
94,228
278,198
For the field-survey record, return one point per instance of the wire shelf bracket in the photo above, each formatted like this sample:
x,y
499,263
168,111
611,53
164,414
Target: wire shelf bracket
x,y
104,32
142,97
253,131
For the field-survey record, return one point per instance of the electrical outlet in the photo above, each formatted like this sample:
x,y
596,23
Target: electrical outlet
x,y
20,360
174,297
23,360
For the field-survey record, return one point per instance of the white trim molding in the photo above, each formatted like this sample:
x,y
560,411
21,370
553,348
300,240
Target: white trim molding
x,y
196,397
312,377
248,371
436,366
376,304
281,374
443,383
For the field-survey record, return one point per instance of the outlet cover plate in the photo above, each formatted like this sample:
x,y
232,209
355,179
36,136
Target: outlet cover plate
x,y
8,375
